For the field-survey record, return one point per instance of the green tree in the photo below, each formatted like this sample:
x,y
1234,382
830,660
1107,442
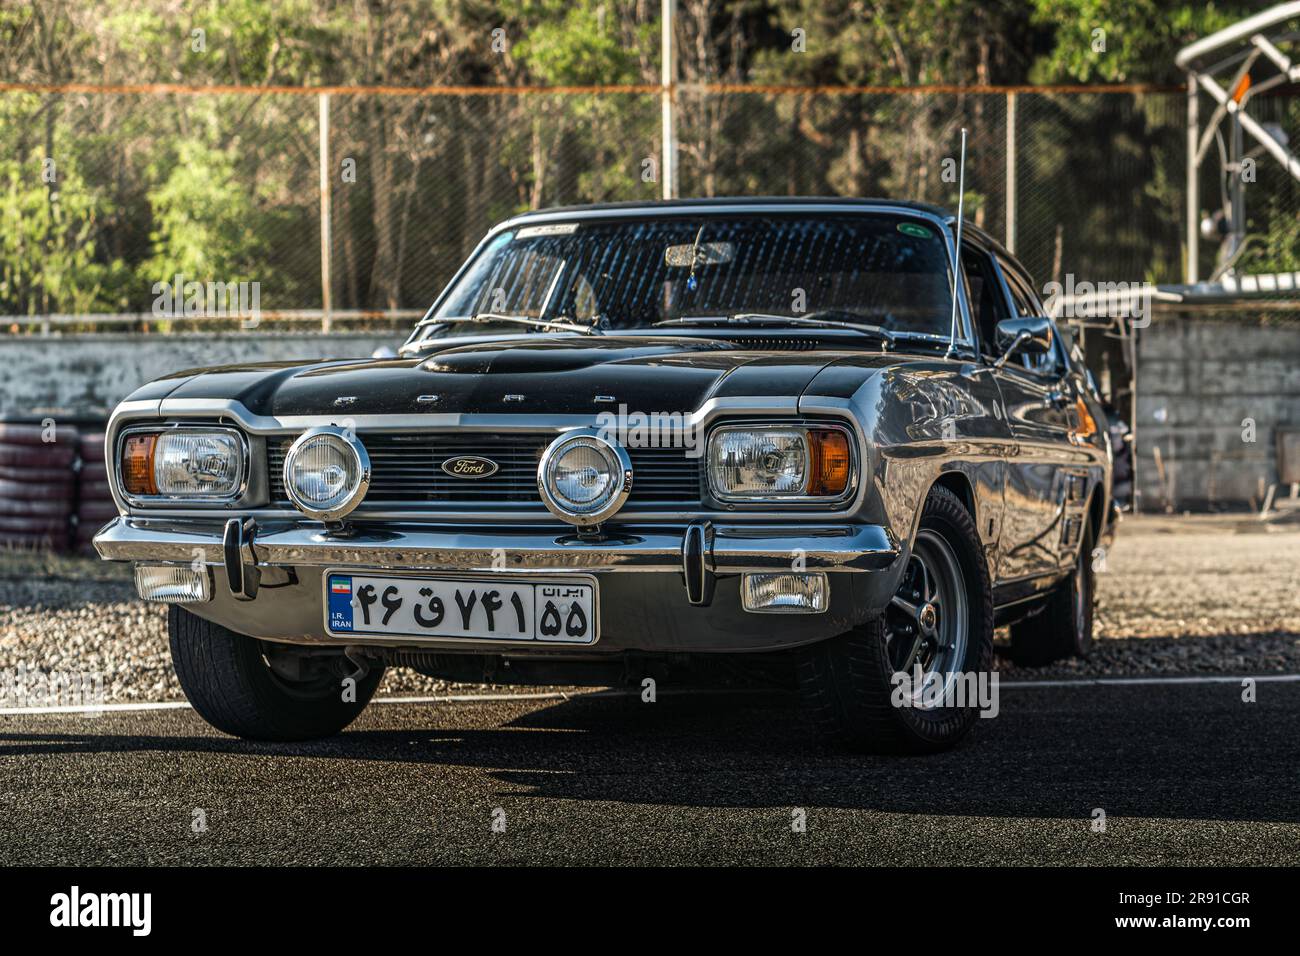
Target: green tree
x,y
47,255
1109,41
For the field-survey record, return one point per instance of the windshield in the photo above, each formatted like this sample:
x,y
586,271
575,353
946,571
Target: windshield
x,y
880,269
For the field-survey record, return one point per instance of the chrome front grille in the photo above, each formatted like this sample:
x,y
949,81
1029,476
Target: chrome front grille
x,y
406,472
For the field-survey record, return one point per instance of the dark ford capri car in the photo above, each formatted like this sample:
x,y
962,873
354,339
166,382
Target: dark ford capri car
x,y
628,440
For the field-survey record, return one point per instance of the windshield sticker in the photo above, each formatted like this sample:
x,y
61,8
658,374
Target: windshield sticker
x,y
554,229
915,231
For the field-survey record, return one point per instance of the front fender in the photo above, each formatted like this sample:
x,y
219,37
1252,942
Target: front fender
x,y
924,421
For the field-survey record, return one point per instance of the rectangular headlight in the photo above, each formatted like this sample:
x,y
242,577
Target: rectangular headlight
x,y
183,463
758,461
779,462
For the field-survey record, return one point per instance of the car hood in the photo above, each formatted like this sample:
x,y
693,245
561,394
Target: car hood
x,y
533,375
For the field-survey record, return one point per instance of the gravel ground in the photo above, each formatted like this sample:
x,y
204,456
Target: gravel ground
x,y
1182,595
1194,594
82,616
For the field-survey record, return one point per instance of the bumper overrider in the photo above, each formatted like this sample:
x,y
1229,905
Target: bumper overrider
x,y
660,589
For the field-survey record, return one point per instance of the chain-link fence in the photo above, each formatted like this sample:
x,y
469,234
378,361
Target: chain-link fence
x,y
135,203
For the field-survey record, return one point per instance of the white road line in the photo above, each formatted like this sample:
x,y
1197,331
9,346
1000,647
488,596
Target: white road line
x,y
97,708
185,705
1142,681
561,695
468,698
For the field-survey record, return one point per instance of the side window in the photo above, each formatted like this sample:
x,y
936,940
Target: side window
x,y
987,301
1026,305
1023,300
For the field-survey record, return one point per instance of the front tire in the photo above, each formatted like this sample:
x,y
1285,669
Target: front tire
x,y
941,620
232,685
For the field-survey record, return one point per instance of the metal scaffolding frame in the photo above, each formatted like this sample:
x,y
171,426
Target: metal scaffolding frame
x,y
1249,53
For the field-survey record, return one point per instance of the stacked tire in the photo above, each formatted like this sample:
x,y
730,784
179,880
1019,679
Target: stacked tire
x,y
38,486
95,506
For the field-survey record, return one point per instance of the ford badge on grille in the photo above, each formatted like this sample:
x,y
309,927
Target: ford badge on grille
x,y
469,466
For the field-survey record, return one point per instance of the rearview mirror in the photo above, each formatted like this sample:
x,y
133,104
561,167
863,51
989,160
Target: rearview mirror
x,y
1031,335
705,254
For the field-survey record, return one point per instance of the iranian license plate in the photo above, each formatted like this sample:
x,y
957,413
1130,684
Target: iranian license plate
x,y
546,610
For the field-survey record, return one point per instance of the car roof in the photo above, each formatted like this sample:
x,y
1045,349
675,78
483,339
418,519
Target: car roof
x,y
669,207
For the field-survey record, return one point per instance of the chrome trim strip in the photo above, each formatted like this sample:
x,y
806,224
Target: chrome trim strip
x,y
444,421
266,425
531,516
720,207
843,548
140,408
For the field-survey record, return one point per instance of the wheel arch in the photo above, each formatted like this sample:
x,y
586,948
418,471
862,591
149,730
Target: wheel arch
x,y
1097,513
959,483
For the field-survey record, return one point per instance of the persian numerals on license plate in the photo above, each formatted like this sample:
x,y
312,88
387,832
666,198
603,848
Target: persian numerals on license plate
x,y
553,611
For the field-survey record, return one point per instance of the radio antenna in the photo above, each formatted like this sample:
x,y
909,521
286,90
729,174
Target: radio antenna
x,y
956,254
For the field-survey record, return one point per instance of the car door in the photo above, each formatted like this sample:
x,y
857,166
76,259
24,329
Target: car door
x,y
1039,401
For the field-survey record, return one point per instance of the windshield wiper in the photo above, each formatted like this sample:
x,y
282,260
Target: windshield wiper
x,y
425,326
774,319
891,336
488,317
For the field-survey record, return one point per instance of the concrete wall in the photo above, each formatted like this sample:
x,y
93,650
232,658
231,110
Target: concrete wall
x,y
1198,378
84,376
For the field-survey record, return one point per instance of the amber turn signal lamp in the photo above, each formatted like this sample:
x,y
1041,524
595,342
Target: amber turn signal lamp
x,y
137,465
1087,424
831,462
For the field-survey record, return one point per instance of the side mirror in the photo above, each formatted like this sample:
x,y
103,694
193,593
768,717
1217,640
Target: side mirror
x,y
1032,336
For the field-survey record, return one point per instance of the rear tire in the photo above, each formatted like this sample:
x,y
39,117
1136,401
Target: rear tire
x,y
227,678
848,682
1063,628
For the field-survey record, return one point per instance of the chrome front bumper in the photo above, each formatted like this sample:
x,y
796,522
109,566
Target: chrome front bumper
x,y
727,550
686,596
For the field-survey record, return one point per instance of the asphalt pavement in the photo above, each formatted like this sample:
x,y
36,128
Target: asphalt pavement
x,y
1185,773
